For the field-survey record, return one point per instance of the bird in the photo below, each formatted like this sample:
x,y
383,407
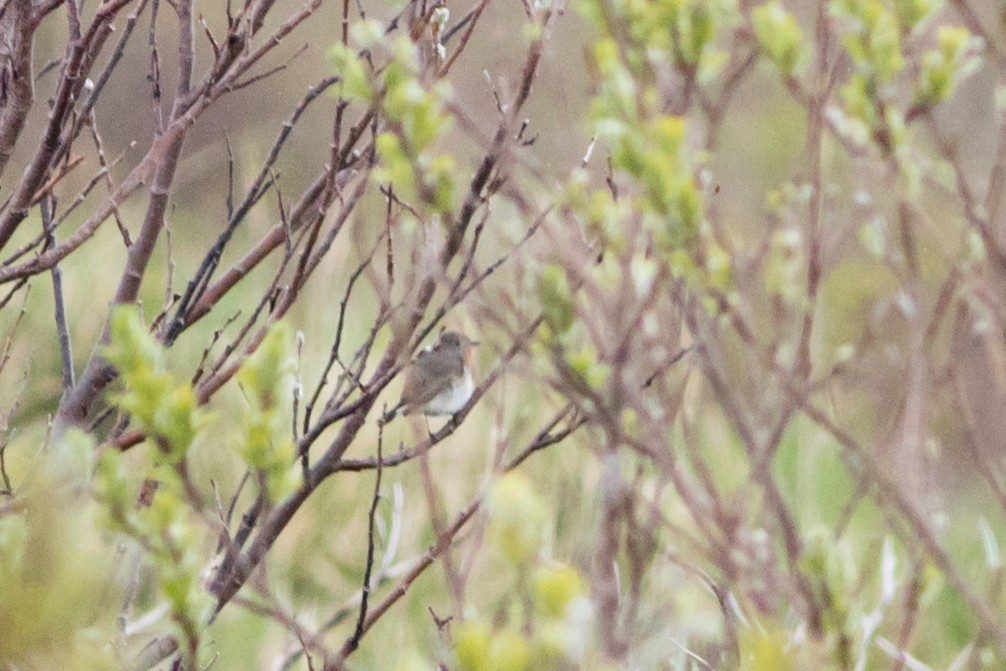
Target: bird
x,y
439,380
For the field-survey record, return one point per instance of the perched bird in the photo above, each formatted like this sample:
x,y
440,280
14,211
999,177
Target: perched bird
x,y
439,380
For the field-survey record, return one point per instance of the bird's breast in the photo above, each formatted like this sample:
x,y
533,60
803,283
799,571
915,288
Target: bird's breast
x,y
453,398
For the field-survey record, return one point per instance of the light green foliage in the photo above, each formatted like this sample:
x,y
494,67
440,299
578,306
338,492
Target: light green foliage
x,y
555,297
112,488
509,651
396,168
647,145
650,218
562,335
872,37
877,35
681,29
913,13
517,518
554,588
351,70
655,225
171,540
366,34
585,364
54,610
407,102
414,111
695,29
164,408
942,68
471,645
549,621
779,35
651,152
766,650
266,377
873,236
829,565
858,94
616,97
13,532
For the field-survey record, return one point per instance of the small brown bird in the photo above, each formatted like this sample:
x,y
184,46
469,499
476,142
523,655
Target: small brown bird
x,y
439,380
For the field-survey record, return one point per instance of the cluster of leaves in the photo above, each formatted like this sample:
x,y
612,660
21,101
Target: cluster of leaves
x,y
645,227
385,126
628,114
744,520
162,523
543,621
876,38
654,258
414,114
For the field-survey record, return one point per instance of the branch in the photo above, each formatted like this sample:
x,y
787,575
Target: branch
x,y
52,147
354,640
62,331
890,492
226,586
164,155
439,546
17,30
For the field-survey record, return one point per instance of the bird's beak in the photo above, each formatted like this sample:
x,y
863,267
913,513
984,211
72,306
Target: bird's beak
x,y
473,343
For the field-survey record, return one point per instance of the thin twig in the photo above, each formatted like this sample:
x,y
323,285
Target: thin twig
x,y
354,640
62,329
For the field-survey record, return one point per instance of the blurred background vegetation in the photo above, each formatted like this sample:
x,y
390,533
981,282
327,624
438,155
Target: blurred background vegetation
x,y
747,314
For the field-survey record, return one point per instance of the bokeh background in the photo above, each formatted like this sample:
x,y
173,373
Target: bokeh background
x,y
863,348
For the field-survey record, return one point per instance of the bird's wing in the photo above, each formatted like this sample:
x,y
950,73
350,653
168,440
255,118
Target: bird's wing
x,y
431,374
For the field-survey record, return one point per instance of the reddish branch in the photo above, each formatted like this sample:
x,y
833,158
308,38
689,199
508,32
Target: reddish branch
x,y
80,56
225,586
156,170
17,90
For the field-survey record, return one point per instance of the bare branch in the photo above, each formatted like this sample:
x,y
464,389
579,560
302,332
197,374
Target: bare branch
x,y
62,329
17,31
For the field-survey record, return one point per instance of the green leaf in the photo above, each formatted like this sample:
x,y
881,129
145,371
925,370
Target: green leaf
x,y
267,375
132,350
516,518
765,648
471,645
778,34
554,588
556,300
355,81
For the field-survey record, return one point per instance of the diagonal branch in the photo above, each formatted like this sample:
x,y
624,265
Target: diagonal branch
x,y
17,29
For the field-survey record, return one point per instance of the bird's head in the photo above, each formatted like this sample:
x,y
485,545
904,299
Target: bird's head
x,y
452,341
